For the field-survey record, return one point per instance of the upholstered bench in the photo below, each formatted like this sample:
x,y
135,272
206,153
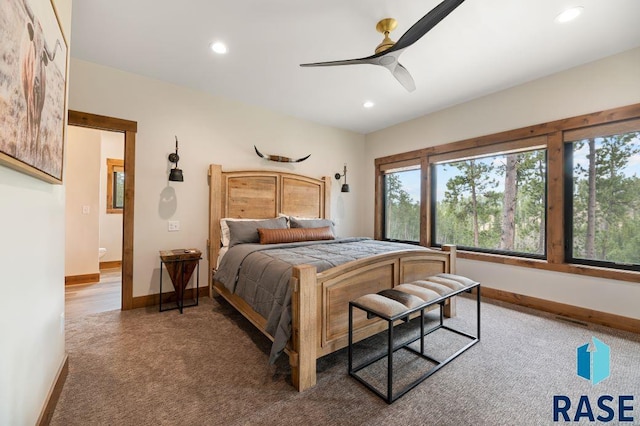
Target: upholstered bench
x,y
400,303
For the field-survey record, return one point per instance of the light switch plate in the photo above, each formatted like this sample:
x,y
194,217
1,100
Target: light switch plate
x,y
174,225
86,209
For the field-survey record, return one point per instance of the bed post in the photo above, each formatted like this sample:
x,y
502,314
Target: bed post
x,y
304,322
450,308
327,198
215,214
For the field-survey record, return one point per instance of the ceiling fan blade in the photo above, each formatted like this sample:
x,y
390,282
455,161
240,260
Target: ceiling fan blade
x,y
402,75
343,62
425,24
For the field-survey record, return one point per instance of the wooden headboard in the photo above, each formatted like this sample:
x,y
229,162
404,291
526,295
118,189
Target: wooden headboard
x,y
261,194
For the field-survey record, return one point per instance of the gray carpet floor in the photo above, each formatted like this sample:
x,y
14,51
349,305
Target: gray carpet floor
x,y
209,366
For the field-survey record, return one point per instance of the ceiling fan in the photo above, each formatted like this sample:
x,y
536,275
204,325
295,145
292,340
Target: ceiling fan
x,y
388,52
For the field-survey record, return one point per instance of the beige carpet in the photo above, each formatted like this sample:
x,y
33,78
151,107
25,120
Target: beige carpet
x,y
209,367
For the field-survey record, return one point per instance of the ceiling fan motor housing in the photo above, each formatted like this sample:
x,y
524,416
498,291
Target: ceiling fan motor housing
x,y
385,26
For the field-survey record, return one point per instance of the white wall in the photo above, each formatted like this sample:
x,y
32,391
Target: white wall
x,y
112,146
82,183
32,286
608,83
210,130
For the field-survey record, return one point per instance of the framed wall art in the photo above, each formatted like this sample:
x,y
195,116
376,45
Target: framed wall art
x,y
33,80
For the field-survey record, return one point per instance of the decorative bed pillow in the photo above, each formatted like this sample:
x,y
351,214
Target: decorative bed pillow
x,y
225,235
312,223
294,235
246,231
286,216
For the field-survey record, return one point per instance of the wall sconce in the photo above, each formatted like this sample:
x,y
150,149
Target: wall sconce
x,y
345,185
176,174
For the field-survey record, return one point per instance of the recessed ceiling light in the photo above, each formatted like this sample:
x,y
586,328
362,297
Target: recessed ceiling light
x,y
569,14
368,104
219,47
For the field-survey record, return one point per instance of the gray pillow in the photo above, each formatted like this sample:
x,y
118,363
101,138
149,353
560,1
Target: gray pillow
x,y
247,231
312,223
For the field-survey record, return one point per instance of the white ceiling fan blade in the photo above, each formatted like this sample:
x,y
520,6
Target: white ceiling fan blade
x,y
402,75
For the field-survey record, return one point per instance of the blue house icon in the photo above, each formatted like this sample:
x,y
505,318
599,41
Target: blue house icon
x,y
593,361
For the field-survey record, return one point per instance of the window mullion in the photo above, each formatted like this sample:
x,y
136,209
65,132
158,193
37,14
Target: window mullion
x,y
555,198
425,203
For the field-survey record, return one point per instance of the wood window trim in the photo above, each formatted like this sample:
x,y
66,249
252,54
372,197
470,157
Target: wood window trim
x,y
500,148
554,133
602,117
113,165
567,268
382,168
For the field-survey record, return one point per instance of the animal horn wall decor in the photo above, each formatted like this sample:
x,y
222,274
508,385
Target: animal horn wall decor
x,y
279,158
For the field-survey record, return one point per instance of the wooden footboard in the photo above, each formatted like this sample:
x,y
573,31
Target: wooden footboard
x,y
320,302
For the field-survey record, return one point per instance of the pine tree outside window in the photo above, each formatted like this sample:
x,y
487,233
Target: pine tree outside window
x,y
402,204
491,203
603,183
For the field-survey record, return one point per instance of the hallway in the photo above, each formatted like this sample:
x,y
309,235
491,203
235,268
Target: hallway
x,y
91,298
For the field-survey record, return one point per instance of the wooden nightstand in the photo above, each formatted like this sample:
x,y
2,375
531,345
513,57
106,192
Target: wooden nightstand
x,y
180,264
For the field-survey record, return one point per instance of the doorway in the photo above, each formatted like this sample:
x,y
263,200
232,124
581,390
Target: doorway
x,y
129,129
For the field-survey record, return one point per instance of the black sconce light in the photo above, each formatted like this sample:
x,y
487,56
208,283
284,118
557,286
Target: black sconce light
x,y
176,174
345,185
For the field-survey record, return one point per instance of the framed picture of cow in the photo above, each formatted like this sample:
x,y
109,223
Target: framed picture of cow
x,y
33,86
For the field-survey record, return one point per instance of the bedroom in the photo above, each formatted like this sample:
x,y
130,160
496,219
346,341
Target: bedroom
x,y
214,130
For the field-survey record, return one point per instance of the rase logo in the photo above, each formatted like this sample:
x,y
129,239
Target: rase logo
x,y
593,363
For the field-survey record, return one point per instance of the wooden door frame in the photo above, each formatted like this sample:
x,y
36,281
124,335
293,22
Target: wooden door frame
x,y
129,128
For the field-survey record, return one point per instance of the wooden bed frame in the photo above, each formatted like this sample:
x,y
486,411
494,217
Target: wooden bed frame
x,y
319,301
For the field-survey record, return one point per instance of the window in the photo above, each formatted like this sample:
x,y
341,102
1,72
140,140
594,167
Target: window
x,y
115,185
402,204
491,203
561,196
603,183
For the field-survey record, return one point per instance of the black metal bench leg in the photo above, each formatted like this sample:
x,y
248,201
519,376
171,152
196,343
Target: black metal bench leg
x,y
478,310
390,365
350,351
422,332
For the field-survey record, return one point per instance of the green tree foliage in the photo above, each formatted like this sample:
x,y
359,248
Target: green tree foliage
x,y
531,204
473,214
606,212
402,218
467,190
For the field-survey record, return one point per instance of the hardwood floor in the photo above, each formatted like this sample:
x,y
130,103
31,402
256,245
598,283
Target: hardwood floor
x,y
84,299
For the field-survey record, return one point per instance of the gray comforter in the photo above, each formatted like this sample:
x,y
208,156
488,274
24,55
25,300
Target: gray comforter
x,y
260,274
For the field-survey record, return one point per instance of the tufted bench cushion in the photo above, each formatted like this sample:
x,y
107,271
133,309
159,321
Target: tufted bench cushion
x,y
410,296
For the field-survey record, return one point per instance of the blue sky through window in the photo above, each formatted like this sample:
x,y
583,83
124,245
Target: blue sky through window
x,y
632,168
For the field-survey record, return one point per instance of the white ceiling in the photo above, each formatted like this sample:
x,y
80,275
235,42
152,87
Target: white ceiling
x,y
482,47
